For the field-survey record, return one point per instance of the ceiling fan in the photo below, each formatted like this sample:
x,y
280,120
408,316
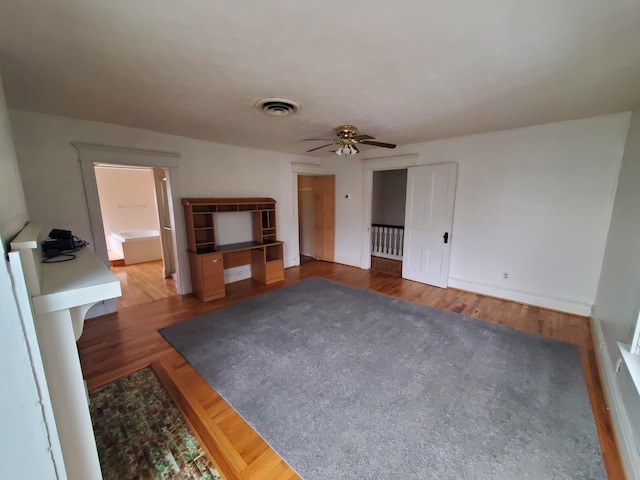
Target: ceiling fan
x,y
347,139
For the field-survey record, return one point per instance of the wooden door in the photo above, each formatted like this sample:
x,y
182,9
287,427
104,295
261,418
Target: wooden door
x,y
428,222
324,200
316,216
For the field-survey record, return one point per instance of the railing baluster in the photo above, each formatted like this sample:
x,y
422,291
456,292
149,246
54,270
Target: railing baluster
x,y
394,244
387,241
385,246
373,239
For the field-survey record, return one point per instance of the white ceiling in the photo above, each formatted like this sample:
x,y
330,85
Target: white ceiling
x,y
403,71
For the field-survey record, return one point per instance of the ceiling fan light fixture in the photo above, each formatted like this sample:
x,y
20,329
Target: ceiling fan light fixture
x,y
346,149
347,139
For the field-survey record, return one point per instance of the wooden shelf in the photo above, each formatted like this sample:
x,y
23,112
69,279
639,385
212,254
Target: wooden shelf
x,y
264,252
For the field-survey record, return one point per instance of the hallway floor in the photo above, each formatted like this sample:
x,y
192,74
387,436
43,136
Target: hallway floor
x,y
386,265
143,283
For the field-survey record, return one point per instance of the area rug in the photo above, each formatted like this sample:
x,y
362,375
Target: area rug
x,y
141,435
345,383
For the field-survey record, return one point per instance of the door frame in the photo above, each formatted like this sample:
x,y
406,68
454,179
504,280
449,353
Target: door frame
x,y
370,165
89,155
163,199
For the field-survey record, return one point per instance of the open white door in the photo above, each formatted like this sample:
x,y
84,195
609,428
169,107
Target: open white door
x,y
164,220
431,192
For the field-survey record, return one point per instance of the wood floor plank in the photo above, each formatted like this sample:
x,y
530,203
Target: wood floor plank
x,y
142,283
116,345
224,455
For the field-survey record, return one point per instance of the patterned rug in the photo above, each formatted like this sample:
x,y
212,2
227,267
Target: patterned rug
x,y
141,434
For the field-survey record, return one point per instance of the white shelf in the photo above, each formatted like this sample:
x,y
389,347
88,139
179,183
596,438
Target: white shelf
x,y
27,238
77,282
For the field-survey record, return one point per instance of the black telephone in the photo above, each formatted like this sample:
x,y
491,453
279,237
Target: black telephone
x,y
61,243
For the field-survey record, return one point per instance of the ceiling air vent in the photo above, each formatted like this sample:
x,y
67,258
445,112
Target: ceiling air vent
x,y
278,107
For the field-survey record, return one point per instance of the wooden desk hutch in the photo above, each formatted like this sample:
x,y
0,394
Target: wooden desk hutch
x,y
208,259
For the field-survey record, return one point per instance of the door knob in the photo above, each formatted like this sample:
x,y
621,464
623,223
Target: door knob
x,y
446,237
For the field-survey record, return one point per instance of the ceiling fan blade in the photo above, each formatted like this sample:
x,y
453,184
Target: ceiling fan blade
x,y
318,148
313,139
363,137
377,144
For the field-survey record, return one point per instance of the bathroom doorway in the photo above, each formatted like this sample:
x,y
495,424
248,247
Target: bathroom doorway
x,y
134,203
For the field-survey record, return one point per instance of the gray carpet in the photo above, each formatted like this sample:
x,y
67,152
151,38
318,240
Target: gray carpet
x,y
345,383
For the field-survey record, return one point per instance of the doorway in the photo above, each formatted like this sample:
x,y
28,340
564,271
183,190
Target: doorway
x,y
137,230
428,218
388,201
316,217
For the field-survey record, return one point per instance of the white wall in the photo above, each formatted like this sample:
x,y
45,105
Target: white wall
x,y
618,298
388,197
349,211
534,202
24,451
53,182
13,207
127,199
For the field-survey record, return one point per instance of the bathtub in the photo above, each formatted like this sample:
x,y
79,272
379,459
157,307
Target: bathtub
x,y
136,246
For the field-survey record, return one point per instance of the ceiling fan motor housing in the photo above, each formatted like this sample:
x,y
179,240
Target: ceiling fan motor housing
x,y
346,131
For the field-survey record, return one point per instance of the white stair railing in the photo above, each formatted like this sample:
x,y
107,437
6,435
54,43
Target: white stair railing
x,y
387,241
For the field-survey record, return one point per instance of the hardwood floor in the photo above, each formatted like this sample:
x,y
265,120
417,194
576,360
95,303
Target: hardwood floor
x,y
121,343
142,283
386,265
304,259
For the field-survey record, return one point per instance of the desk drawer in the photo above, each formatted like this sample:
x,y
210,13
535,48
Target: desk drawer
x,y
274,271
207,275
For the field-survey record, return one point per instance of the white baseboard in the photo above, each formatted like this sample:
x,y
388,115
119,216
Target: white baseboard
x,y
621,422
568,306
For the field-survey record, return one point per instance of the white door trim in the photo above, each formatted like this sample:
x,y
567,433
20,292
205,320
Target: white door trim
x,y
90,155
370,165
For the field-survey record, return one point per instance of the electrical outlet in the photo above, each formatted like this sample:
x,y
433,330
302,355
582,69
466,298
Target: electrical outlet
x,y
618,364
505,274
